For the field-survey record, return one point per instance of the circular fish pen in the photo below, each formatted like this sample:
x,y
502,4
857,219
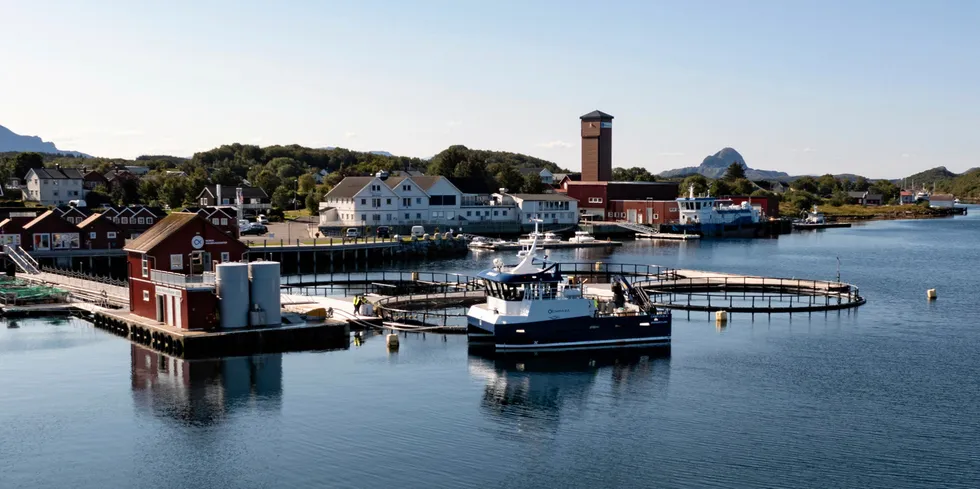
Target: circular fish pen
x,y
751,295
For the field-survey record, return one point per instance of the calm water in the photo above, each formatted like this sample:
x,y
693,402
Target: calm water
x,y
888,396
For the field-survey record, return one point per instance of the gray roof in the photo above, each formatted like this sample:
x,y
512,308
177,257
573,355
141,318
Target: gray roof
x,y
595,114
348,188
163,229
55,173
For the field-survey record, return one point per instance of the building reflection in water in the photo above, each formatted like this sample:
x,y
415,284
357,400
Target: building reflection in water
x,y
204,391
532,390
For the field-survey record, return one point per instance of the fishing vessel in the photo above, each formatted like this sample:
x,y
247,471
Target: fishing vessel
x,y
531,306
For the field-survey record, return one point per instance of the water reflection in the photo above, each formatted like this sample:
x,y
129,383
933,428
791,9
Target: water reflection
x,y
530,392
204,391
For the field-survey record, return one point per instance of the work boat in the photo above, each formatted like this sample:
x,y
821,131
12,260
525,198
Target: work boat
x,y
581,237
532,307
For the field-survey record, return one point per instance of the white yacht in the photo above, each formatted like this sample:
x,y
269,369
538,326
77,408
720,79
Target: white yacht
x,y
581,237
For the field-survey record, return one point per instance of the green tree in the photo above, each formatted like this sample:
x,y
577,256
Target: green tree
x,y
734,172
306,183
720,188
224,176
635,174
509,178
532,184
826,184
861,184
267,180
282,198
173,192
148,189
314,198
24,162
445,163
285,167
700,185
838,199
742,186
805,184
125,191
801,201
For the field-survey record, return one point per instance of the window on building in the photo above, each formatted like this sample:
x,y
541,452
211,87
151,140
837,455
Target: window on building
x,y
125,220
376,217
215,221
204,201
224,221
469,213
408,216
418,215
176,262
407,202
595,200
225,256
111,235
418,200
496,213
145,269
91,235
149,220
364,217
363,201
140,220
655,216
146,296
387,201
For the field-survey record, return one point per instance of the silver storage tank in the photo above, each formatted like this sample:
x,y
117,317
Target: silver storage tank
x,y
264,279
232,287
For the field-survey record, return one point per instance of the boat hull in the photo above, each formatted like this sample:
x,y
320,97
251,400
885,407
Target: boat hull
x,y
573,333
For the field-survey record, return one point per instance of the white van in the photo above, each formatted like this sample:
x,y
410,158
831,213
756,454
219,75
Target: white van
x,y
418,231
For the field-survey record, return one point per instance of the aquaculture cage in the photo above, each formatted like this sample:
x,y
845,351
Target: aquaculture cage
x,y
17,292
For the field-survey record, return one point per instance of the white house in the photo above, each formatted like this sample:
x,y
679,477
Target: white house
x,y
410,200
547,177
551,208
53,186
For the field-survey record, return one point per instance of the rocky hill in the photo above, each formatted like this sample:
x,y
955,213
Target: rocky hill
x,y
929,177
13,142
714,166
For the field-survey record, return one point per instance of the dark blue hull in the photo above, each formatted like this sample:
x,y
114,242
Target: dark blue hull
x,y
574,333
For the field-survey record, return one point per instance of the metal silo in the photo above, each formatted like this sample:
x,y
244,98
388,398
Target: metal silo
x,y
232,287
264,279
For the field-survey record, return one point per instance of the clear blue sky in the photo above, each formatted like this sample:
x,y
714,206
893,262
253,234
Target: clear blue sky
x,y
882,88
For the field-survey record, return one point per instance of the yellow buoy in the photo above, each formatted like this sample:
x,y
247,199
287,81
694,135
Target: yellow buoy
x,y
392,341
931,294
721,316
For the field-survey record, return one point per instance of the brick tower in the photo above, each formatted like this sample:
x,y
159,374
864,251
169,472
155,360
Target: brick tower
x,y
596,147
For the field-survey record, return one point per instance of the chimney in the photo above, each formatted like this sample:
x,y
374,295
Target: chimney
x,y
217,194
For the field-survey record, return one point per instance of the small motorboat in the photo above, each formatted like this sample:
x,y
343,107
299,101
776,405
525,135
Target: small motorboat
x,y
581,237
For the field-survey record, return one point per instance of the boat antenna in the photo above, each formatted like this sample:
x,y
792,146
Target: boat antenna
x,y
838,268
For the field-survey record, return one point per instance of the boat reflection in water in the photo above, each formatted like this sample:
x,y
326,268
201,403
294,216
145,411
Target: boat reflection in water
x,y
531,390
204,391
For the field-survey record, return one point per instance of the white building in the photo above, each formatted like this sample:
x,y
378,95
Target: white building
x,y
546,176
411,200
53,186
551,208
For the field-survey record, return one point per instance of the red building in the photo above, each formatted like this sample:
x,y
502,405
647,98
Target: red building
x,y
50,232
596,199
644,211
99,233
134,220
225,217
596,146
169,270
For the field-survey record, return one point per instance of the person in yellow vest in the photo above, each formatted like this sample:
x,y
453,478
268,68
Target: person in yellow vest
x,y
357,304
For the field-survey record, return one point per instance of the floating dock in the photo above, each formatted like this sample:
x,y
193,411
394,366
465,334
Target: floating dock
x,y
672,236
547,246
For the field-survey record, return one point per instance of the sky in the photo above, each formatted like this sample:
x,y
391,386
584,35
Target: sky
x,y
879,88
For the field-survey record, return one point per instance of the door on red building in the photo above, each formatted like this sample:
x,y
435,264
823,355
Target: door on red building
x,y
650,215
161,303
631,215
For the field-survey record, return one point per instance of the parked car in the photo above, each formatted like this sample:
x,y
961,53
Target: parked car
x,y
254,229
418,231
383,232
353,233
261,219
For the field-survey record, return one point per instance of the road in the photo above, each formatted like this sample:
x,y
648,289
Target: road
x,y
286,231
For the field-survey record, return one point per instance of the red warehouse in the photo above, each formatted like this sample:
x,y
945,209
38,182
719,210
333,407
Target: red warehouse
x,y
768,206
99,233
169,270
50,232
644,211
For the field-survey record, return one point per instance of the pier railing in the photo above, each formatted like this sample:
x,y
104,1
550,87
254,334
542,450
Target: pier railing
x,y
181,280
68,273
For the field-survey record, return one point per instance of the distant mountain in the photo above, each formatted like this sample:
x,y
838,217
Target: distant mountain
x,y
929,177
714,166
13,142
381,153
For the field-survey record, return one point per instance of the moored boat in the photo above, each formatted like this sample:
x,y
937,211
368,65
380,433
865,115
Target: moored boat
x,y
581,237
533,307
